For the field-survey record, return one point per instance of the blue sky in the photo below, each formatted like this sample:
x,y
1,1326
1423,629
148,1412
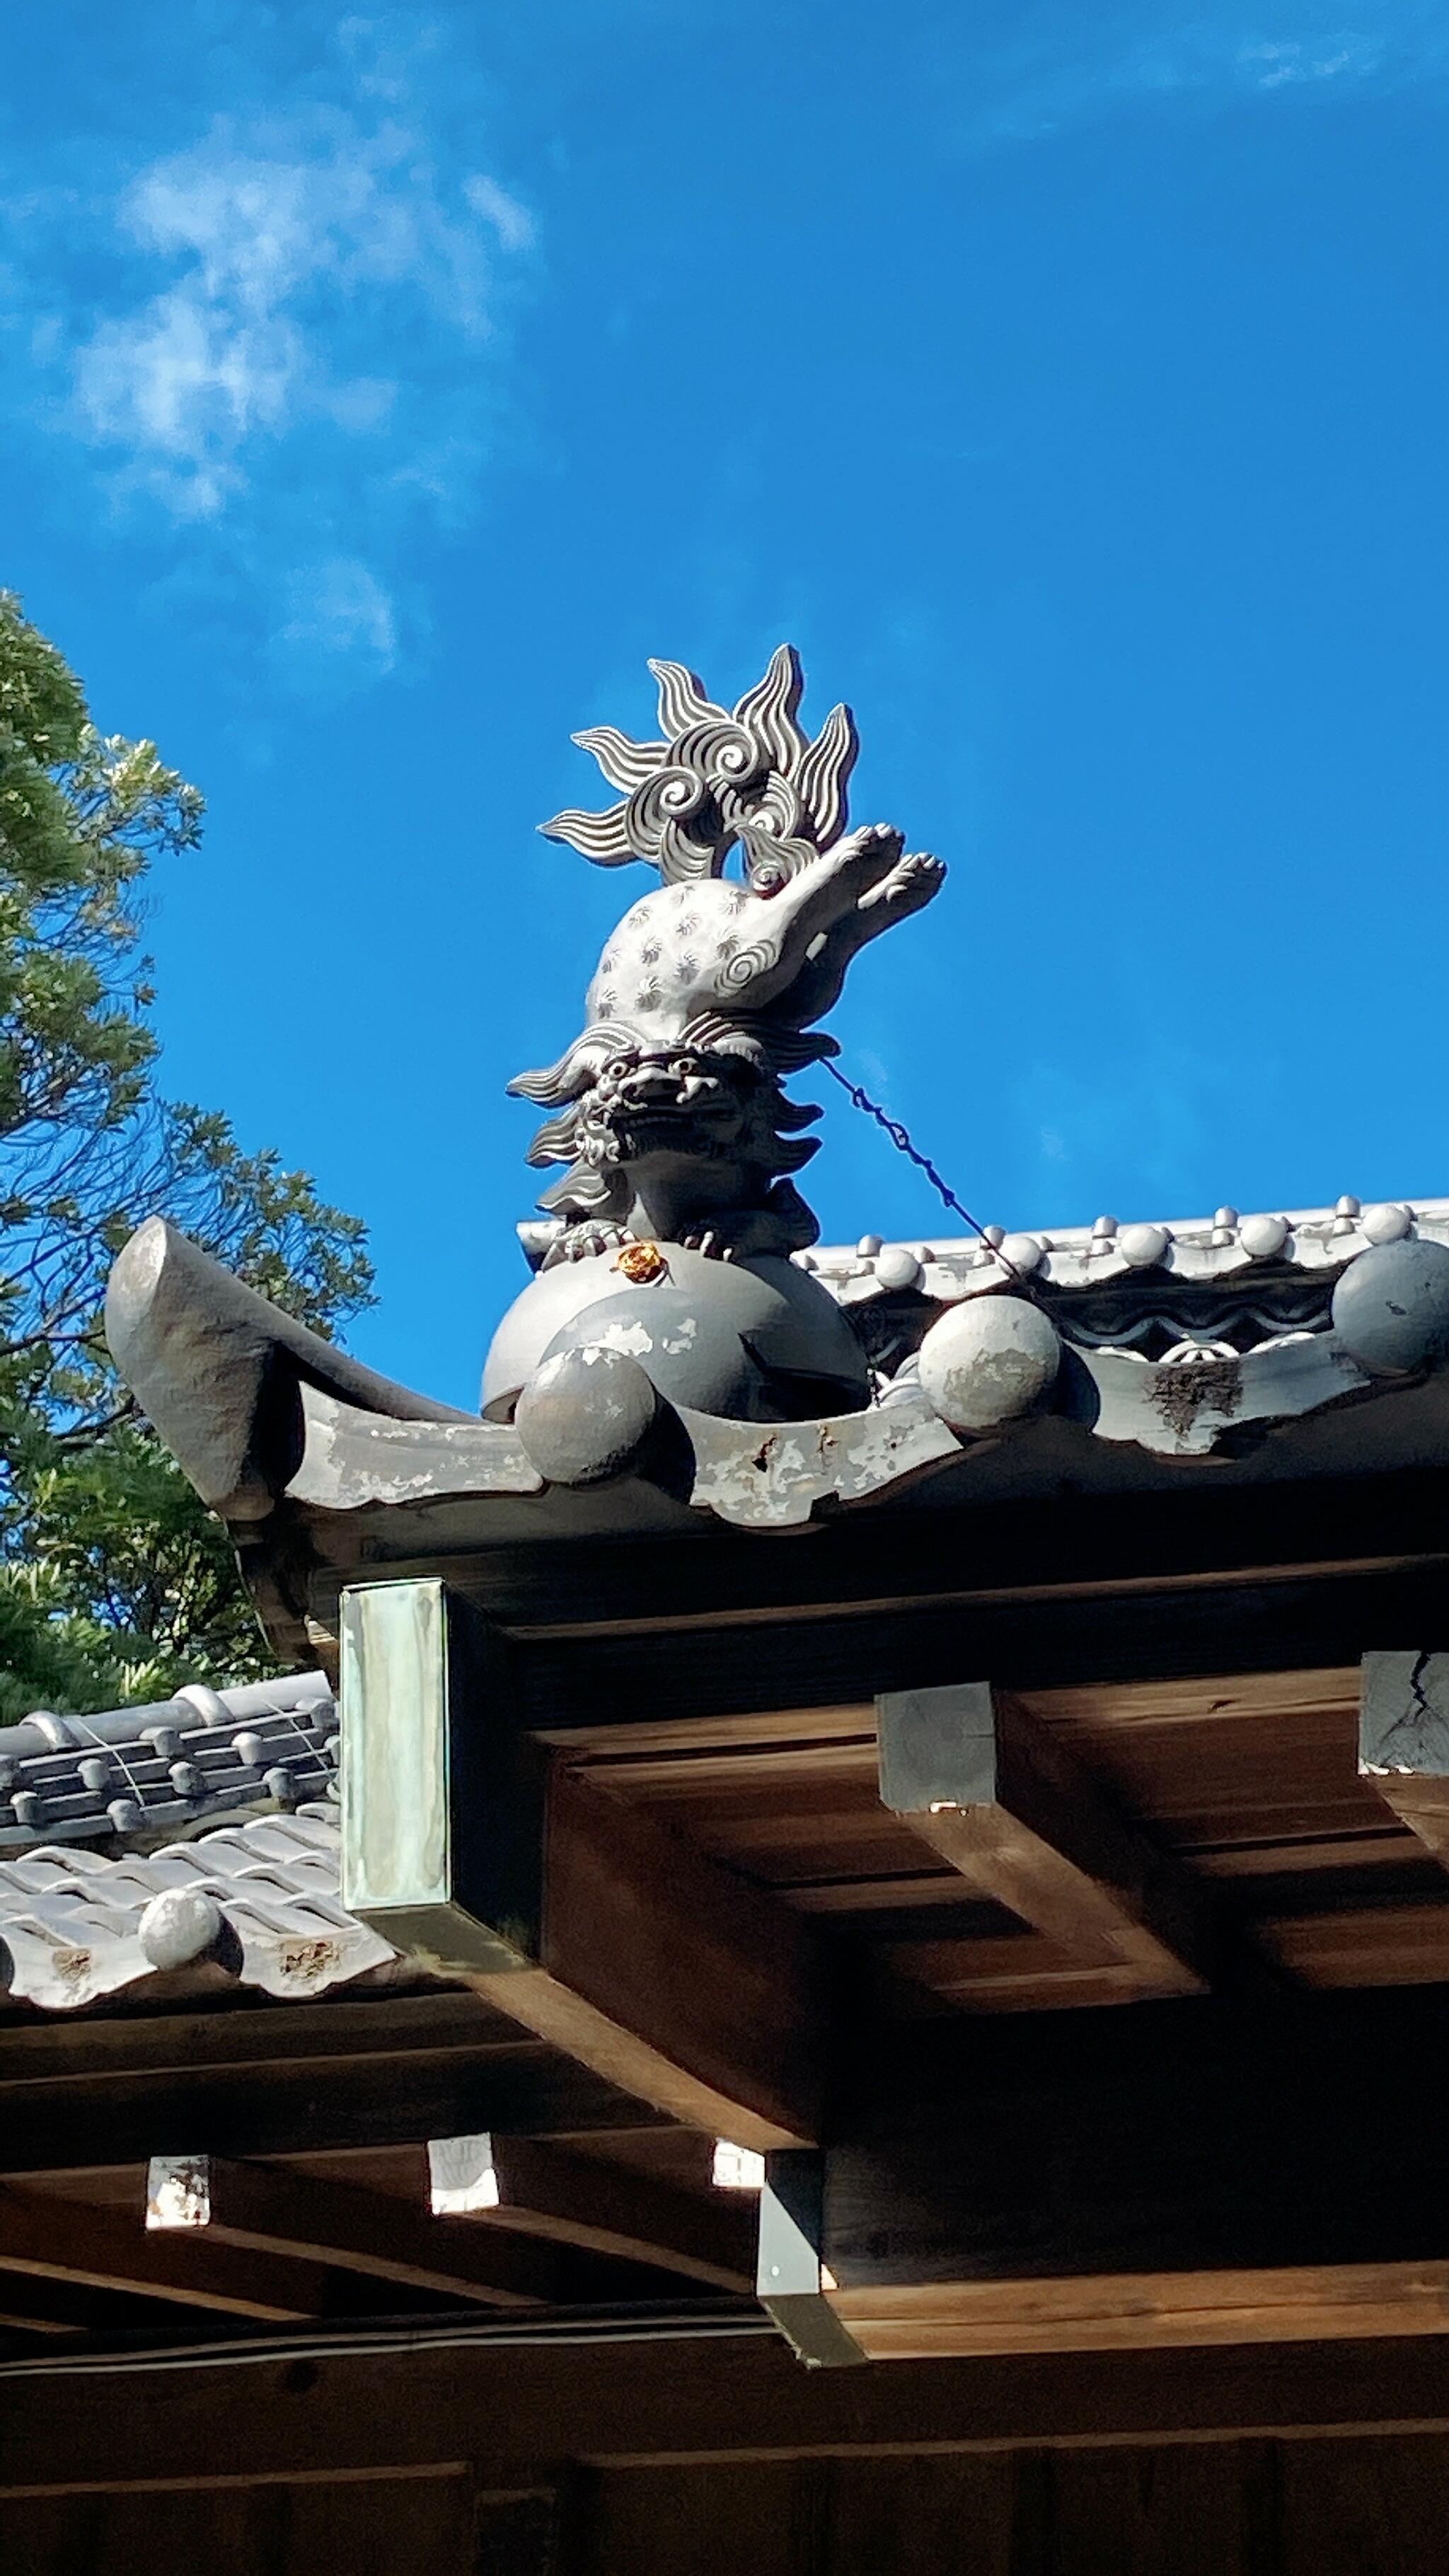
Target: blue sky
x,y
1068,382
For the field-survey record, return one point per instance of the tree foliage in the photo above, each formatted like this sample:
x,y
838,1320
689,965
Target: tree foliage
x,y
115,1583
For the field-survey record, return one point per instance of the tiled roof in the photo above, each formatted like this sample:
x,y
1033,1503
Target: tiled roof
x,y
255,1897
258,1901
947,1268
155,1771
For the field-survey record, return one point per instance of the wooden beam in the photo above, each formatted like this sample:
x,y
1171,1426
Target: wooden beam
x,y
1273,2169
1150,2311
269,2209
1197,1699
421,2030
108,2249
1403,1742
670,1977
954,1556
649,1965
304,2107
686,2399
1137,1629
987,1787
545,2192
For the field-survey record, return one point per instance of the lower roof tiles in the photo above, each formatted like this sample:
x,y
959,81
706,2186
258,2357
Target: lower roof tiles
x,y
258,1901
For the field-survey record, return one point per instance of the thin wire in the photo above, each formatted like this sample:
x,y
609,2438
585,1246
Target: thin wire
x,y
119,1759
668,2322
901,1139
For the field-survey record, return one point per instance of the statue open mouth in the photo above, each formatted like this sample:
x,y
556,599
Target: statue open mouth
x,y
670,1103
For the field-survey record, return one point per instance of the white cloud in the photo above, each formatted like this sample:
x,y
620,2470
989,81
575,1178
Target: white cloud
x,y
1267,66
285,345
338,609
512,222
1067,66
186,388
293,253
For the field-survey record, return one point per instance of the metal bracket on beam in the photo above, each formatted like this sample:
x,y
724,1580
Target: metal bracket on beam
x,y
467,1845
792,2283
987,1785
438,1854
1403,1741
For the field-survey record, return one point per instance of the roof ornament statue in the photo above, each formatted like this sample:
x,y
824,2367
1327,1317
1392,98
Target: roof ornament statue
x,y
673,1120
678,1140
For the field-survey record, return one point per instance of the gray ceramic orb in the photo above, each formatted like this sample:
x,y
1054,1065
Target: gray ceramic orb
x,y
1142,1246
1022,1253
756,1341
897,1267
551,1300
179,1925
585,1414
990,1363
1386,1224
1263,1237
1391,1308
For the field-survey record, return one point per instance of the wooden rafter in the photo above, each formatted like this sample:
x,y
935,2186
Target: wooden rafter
x,y
425,2031
59,2308
272,2210
988,1788
543,2191
109,2249
289,2110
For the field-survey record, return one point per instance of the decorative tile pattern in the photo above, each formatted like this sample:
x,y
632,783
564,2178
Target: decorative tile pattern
x,y
258,1901
943,1268
145,1773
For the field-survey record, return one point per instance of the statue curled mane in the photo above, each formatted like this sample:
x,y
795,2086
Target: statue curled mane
x,y
673,1121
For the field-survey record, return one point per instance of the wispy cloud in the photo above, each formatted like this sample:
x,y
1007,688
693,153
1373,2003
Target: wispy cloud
x,y
293,254
285,342
1066,66
1163,1127
337,607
